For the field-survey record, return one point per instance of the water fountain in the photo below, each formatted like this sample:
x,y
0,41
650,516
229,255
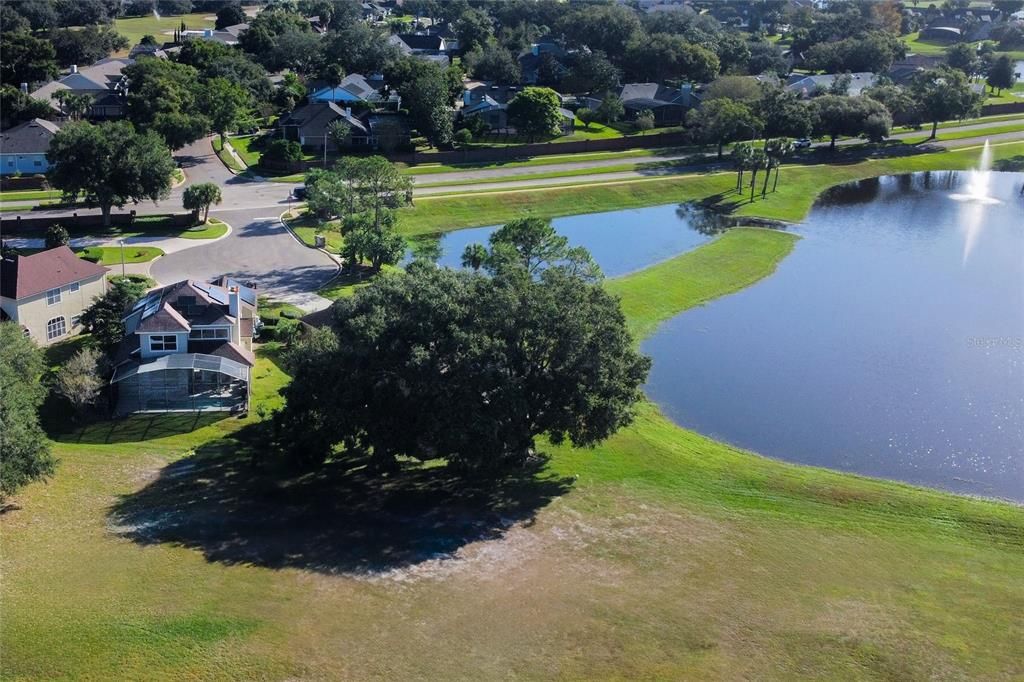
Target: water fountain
x,y
976,197
156,14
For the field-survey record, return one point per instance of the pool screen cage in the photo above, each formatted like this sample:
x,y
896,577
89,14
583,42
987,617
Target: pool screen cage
x,y
182,382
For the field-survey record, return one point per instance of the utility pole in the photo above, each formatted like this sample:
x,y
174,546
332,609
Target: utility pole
x,y
121,242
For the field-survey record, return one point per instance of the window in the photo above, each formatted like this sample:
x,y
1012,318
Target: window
x,y
38,162
56,328
53,296
208,334
75,320
168,342
72,288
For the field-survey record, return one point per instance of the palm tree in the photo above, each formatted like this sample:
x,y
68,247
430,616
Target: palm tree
x,y
778,149
758,160
474,256
741,157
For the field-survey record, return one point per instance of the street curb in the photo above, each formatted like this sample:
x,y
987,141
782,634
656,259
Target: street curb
x,y
334,257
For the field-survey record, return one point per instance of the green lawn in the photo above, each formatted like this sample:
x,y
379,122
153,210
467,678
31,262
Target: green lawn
x,y
111,255
306,227
211,230
226,156
245,146
659,554
918,45
798,187
134,28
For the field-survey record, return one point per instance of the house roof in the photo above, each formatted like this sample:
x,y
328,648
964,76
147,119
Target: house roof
x,y
184,305
23,276
417,41
105,74
355,84
498,94
858,82
313,118
30,137
650,94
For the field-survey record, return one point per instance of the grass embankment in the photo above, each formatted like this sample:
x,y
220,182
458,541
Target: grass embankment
x,y
225,156
672,556
111,255
798,187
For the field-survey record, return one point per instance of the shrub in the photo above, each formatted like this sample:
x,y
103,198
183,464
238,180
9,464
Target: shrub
x,y
56,235
286,151
463,136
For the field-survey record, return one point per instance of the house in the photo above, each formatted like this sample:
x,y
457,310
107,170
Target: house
x,y
104,81
807,86
46,292
227,35
489,102
429,47
353,88
148,50
903,71
188,347
530,60
374,12
309,125
23,147
669,105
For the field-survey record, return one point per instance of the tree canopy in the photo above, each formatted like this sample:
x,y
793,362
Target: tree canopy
x,y
111,163
464,366
724,120
26,452
943,94
535,112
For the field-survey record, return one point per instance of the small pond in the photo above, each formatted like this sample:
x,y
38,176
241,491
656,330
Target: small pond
x,y
889,343
620,241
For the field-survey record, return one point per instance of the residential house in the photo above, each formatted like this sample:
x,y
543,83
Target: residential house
x,y
428,47
668,104
489,102
104,81
188,347
903,71
530,60
374,12
309,125
23,147
227,35
47,292
353,89
810,85
148,50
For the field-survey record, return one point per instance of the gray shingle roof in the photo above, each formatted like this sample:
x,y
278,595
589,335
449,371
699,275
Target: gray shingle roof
x,y
30,137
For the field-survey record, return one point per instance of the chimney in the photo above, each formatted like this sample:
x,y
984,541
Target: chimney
x,y
74,68
24,88
234,304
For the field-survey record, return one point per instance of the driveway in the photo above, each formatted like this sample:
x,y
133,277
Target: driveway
x,y
259,248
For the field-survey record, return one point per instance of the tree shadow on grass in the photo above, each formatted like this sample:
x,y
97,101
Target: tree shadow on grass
x,y
132,429
342,519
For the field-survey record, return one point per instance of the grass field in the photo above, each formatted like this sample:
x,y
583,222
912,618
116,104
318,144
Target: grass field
x,y
918,45
798,187
111,255
158,552
134,28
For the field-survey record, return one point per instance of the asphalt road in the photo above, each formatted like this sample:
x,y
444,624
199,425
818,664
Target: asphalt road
x,y
259,249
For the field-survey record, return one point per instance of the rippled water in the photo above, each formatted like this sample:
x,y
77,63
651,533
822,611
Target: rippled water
x,y
876,347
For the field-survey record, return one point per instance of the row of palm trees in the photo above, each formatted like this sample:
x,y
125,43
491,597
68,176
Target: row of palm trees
x,y
746,156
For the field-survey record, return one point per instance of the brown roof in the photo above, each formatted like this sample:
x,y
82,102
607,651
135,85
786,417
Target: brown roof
x,y
24,276
166,319
224,349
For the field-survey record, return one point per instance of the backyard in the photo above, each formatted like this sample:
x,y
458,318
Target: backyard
x,y
659,554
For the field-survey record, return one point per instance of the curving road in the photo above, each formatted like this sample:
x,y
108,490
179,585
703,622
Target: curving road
x,y
259,248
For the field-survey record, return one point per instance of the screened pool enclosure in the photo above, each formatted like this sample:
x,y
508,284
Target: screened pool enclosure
x,y
191,382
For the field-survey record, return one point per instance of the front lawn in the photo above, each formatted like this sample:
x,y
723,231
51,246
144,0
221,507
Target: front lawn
x,y
307,226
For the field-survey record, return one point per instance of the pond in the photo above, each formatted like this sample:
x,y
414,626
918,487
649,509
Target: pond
x,y
620,241
889,343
